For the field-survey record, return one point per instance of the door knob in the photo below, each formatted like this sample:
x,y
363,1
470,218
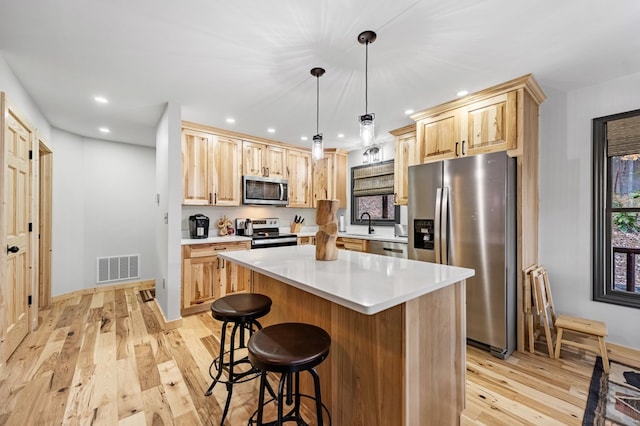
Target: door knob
x,y
13,249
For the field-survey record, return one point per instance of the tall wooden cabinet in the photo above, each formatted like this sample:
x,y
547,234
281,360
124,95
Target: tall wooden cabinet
x,y
406,156
205,277
330,177
299,178
211,167
501,118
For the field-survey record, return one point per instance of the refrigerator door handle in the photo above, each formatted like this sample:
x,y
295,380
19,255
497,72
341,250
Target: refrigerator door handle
x,y
444,210
436,225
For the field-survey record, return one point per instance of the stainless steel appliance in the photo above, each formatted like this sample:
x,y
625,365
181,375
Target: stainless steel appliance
x,y
199,226
265,191
462,213
266,233
388,248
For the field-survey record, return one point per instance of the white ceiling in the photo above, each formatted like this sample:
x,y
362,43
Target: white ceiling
x,y
250,59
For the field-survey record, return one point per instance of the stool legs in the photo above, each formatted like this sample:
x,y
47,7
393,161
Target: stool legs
x,y
293,396
220,364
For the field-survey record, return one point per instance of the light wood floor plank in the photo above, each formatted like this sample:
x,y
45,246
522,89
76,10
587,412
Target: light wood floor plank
x,y
102,358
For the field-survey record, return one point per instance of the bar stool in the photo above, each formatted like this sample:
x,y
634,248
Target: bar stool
x,y
288,349
242,310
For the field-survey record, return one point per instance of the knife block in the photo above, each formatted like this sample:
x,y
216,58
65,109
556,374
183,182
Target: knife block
x,y
295,227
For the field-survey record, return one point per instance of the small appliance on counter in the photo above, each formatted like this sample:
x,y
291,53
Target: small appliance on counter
x,y
199,226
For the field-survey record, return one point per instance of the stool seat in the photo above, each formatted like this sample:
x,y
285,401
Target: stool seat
x,y
240,307
289,347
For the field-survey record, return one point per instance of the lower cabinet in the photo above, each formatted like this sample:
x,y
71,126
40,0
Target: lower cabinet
x,y
206,277
354,244
302,241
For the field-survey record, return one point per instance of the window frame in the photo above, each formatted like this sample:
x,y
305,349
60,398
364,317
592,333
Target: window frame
x,y
602,273
374,222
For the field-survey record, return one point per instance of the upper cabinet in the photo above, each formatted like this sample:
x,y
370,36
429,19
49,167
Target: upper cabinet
x,y
264,160
483,122
406,155
299,178
330,177
211,168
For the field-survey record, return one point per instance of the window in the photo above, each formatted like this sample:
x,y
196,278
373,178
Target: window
x,y
372,192
616,209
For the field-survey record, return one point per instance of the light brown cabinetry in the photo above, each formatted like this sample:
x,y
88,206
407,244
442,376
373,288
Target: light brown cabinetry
x,y
487,125
205,277
302,241
260,159
211,168
354,244
330,177
406,155
299,178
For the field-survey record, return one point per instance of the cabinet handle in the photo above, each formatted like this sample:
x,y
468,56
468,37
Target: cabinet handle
x,y
210,198
457,149
463,152
221,248
267,171
215,197
13,249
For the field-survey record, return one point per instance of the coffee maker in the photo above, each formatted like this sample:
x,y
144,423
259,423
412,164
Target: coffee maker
x,y
199,226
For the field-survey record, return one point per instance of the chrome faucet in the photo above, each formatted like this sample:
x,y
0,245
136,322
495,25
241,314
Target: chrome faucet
x,y
371,230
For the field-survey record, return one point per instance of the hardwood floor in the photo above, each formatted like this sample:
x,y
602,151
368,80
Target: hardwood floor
x,y
104,359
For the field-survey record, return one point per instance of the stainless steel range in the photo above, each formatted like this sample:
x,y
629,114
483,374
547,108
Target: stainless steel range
x,y
265,233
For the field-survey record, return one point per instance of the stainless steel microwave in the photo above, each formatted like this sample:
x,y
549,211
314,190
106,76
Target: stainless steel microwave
x,y
265,190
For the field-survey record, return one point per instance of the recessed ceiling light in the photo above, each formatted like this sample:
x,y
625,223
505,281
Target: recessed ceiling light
x,y
271,130
230,120
101,99
304,138
104,130
463,93
341,135
408,111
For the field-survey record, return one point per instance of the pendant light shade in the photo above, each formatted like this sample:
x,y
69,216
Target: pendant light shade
x,y
317,147
367,134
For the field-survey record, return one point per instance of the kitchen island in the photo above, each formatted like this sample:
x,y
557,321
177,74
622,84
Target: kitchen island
x,y
397,328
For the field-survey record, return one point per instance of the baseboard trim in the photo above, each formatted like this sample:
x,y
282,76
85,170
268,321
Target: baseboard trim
x,y
141,284
166,325
624,354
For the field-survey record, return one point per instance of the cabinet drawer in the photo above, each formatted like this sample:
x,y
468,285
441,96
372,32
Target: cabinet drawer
x,y
306,240
204,250
354,244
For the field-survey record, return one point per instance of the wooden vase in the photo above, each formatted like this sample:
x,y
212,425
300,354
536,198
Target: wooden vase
x,y
327,220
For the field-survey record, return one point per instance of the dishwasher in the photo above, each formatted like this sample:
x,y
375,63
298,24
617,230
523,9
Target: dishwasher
x,y
388,248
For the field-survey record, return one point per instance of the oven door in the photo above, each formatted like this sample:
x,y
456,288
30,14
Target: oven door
x,y
258,243
265,191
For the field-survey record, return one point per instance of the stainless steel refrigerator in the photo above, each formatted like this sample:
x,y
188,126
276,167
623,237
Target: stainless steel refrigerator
x,y
462,212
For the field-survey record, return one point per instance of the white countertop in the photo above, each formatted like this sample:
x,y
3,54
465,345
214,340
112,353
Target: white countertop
x,y
364,282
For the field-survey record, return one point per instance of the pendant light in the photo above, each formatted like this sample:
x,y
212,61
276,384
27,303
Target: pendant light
x,y
366,121
317,147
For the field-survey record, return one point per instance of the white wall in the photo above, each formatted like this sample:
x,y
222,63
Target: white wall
x,y
22,101
565,199
102,200
167,215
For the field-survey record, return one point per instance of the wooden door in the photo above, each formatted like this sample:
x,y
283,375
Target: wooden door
x,y
299,178
405,157
227,154
16,288
491,125
439,136
276,163
253,159
44,225
197,169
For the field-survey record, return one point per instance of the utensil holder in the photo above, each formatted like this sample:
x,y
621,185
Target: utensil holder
x,y
295,227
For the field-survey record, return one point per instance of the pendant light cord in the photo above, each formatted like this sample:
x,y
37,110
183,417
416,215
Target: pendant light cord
x,y
317,104
366,78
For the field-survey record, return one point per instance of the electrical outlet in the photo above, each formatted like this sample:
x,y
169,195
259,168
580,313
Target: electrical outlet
x,y
158,199
164,283
166,218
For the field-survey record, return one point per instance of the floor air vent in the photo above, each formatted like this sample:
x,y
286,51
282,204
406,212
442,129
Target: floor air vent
x,y
116,268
